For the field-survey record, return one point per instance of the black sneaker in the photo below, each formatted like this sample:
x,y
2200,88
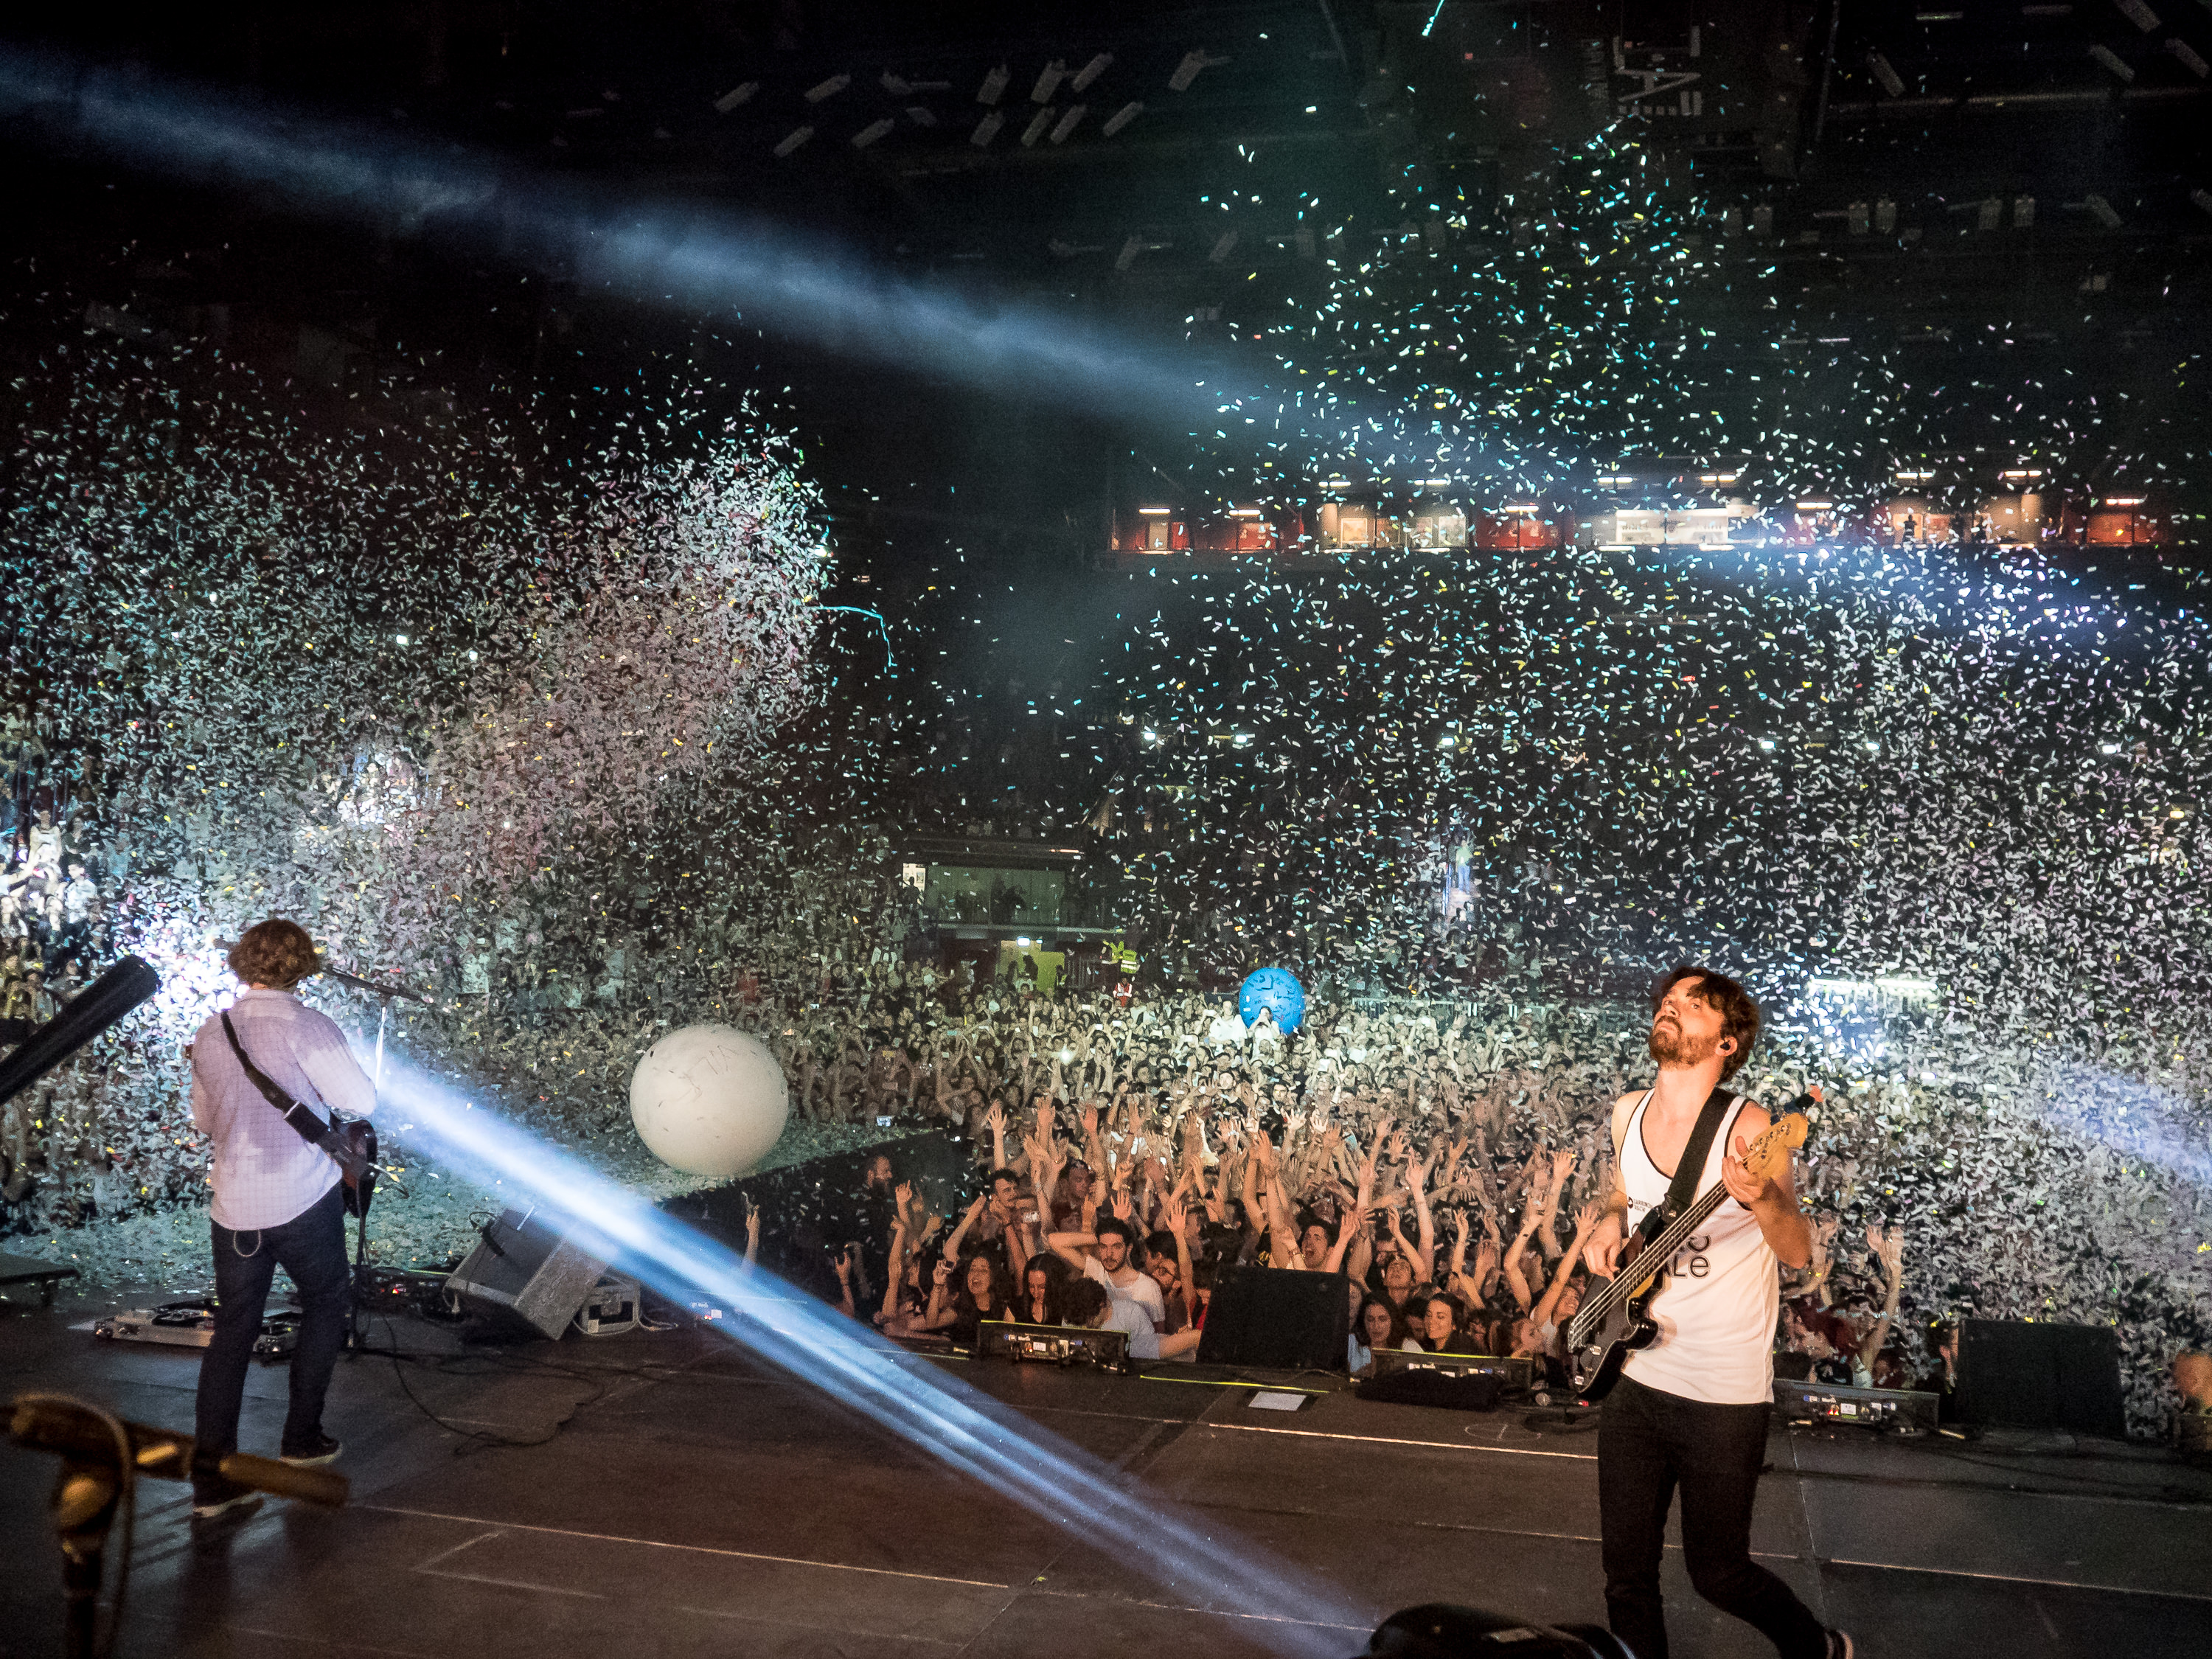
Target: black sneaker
x,y
1840,1645
215,1494
321,1450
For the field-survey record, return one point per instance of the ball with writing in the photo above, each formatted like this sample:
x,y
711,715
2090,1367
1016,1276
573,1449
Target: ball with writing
x,y
709,1100
1278,991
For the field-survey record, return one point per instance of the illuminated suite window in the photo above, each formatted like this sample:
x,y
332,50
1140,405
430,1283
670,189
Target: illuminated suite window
x,y
1440,527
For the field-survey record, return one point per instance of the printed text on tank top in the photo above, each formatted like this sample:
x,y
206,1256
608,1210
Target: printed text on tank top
x,y
1690,1261
1718,1310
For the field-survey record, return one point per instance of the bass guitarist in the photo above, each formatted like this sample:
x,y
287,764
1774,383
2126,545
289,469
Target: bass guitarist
x,y
1690,1410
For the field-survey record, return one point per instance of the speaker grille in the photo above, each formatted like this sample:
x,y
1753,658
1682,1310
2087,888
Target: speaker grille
x,y
526,1269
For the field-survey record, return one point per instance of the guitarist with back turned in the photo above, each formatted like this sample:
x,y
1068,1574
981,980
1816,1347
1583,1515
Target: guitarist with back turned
x,y
1690,1409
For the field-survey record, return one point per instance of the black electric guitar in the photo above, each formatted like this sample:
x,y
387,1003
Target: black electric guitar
x,y
1611,1323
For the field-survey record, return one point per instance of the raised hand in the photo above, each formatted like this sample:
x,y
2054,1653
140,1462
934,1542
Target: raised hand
x,y
1889,1248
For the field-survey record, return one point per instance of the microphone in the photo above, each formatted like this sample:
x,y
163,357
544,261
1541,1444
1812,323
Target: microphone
x,y
55,1423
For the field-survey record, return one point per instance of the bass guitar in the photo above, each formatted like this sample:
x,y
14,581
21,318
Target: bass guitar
x,y
1613,1322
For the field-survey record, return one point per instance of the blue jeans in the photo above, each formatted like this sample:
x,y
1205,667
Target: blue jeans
x,y
311,1247
1649,1443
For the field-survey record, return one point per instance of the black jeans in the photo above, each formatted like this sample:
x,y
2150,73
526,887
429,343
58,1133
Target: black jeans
x,y
311,1247
1649,1443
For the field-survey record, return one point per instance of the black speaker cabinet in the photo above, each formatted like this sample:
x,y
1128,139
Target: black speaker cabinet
x,y
522,1268
2041,1376
1285,1319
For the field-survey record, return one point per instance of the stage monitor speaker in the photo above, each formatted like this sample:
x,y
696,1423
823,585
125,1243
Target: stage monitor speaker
x,y
523,1267
1285,1319
2041,1376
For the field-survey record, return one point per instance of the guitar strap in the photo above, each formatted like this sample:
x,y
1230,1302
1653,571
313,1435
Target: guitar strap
x,y
328,1136
1683,1191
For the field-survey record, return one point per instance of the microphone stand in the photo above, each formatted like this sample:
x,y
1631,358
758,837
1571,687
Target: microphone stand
x,y
356,1335
102,1457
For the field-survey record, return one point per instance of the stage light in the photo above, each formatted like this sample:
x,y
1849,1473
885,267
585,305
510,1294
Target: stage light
x,y
934,1412
1767,743
1156,512
2108,748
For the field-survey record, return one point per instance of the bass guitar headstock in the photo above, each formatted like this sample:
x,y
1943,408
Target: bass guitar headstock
x,y
1770,1152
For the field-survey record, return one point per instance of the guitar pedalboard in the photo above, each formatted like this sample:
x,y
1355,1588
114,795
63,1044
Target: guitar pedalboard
x,y
1052,1345
1895,1411
191,1324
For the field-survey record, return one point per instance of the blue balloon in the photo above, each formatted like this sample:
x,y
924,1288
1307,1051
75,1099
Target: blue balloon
x,y
1278,991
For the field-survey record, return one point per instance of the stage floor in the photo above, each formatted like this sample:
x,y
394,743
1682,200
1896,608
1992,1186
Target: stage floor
x,y
694,1503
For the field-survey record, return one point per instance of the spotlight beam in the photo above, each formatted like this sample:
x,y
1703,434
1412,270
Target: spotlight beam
x,y
652,253
702,257
953,1423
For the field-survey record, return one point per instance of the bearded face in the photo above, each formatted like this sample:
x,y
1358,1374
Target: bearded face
x,y
1670,1045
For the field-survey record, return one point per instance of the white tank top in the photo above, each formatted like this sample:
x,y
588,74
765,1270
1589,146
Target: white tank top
x,y
1722,1292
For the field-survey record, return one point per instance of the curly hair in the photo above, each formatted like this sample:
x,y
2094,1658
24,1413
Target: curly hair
x,y
1739,1013
277,953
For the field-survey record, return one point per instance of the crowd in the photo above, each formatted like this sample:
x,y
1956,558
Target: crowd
x,y
50,908
1449,1159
